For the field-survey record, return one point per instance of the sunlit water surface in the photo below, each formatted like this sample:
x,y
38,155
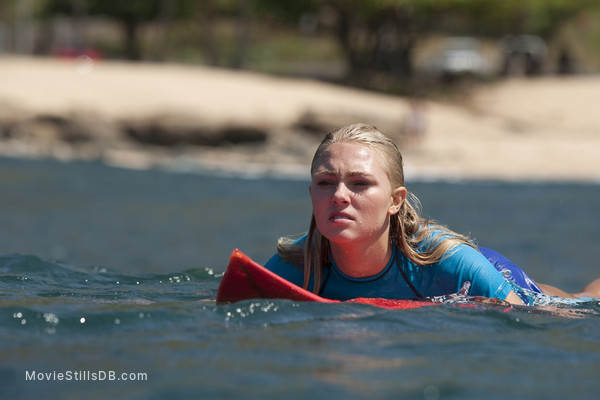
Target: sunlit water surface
x,y
112,274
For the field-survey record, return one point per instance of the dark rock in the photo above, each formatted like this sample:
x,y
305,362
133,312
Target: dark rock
x,y
172,130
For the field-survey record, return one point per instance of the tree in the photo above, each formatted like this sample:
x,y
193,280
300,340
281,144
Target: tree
x,y
130,14
379,36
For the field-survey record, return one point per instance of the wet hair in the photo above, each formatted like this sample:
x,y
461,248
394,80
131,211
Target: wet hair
x,y
423,241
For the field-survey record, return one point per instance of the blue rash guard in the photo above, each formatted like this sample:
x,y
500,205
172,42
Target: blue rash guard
x,y
403,279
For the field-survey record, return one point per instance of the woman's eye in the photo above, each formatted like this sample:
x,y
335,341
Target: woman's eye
x,y
324,183
362,183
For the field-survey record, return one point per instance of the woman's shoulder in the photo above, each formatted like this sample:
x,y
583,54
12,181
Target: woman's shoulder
x,y
432,235
287,262
285,269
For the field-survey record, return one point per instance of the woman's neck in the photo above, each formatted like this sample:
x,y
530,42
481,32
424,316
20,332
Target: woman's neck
x,y
361,261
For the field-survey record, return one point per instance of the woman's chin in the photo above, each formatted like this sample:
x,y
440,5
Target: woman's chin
x,y
341,238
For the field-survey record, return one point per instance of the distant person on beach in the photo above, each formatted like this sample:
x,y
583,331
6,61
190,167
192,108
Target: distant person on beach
x,y
367,239
415,124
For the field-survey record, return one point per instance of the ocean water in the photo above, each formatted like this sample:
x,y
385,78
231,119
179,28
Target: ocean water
x,y
108,279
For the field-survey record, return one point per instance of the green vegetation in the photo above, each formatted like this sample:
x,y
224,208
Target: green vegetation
x,y
369,43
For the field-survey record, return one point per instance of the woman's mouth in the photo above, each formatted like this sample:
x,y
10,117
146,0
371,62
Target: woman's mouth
x,y
340,217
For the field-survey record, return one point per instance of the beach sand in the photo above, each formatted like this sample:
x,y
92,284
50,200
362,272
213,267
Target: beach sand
x,y
546,128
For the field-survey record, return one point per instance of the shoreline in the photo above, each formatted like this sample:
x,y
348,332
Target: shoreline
x,y
519,130
293,172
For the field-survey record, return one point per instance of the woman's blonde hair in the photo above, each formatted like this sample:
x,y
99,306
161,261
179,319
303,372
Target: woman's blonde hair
x,y
409,232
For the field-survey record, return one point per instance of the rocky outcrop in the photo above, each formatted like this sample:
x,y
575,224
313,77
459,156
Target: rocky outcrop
x,y
145,141
166,130
176,130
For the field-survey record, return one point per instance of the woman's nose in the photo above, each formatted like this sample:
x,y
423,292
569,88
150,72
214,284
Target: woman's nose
x,y
341,194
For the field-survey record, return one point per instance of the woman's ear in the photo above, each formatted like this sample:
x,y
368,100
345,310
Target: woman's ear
x,y
398,197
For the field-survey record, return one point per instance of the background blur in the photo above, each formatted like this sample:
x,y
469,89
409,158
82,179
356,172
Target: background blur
x,y
461,85
378,44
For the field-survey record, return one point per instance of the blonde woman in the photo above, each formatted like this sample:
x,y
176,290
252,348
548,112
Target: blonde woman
x,y
366,239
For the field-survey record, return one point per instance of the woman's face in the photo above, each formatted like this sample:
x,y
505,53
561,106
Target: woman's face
x,y
352,197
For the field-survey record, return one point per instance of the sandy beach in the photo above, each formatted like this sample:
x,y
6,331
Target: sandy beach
x,y
546,128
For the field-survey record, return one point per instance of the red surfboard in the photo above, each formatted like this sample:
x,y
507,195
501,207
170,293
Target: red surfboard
x,y
245,279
